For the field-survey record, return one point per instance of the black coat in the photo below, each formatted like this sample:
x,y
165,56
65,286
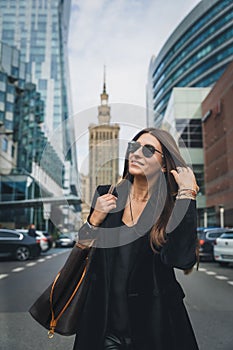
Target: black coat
x,y
158,318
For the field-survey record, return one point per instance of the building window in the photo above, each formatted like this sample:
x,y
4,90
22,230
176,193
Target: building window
x,y
2,116
12,151
198,170
190,131
2,96
9,107
4,144
2,77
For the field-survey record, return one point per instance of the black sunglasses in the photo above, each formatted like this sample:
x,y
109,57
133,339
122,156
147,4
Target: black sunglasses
x,y
147,150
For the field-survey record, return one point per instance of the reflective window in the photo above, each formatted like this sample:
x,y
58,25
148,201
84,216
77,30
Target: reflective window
x,y
2,96
42,85
4,144
9,107
197,72
2,77
2,116
204,51
12,151
8,34
190,131
191,31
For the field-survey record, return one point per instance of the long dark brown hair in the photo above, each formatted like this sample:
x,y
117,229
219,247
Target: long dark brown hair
x,y
171,159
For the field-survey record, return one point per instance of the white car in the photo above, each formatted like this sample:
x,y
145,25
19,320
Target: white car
x,y
223,248
40,238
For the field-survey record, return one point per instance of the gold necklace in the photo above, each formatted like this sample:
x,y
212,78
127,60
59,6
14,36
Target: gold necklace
x,y
131,210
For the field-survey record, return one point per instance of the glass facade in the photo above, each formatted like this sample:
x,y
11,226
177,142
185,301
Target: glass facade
x,y
190,133
39,29
22,112
195,55
22,140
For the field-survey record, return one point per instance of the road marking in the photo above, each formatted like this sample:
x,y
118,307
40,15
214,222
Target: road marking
x,y
201,269
31,264
221,277
211,273
230,282
18,269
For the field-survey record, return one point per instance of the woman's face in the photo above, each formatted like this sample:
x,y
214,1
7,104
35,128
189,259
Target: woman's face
x,y
139,165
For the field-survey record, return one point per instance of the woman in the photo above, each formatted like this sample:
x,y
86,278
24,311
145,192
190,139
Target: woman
x,y
144,229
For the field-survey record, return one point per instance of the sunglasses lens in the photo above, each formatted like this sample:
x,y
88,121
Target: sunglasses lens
x,y
148,151
133,146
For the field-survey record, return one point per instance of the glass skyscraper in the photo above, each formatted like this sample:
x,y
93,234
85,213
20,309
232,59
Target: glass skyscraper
x,y
39,29
195,55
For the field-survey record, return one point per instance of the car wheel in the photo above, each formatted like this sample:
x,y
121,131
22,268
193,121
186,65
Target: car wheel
x,y
22,253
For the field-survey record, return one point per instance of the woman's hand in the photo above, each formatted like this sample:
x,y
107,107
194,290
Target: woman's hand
x,y
104,205
185,178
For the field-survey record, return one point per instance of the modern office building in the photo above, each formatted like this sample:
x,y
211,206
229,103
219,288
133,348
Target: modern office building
x,y
103,148
22,142
39,29
183,120
218,145
195,55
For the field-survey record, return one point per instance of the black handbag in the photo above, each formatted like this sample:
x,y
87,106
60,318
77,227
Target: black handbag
x,y
59,308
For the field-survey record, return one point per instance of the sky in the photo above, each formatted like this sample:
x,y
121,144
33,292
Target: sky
x,y
123,35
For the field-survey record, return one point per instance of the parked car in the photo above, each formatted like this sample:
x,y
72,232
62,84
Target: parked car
x,y
223,248
64,241
49,237
17,245
40,238
207,237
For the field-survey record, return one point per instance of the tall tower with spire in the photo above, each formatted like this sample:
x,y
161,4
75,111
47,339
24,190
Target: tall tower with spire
x,y
103,146
104,109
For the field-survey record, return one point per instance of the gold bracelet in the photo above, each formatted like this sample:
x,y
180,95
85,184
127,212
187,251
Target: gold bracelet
x,y
187,191
185,196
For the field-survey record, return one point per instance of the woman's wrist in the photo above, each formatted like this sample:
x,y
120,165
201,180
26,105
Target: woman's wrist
x,y
92,225
186,193
186,197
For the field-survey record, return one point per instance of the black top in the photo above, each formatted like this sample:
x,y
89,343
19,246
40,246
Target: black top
x,y
124,259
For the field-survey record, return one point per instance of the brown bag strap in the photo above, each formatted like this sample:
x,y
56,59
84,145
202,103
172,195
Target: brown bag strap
x,y
54,320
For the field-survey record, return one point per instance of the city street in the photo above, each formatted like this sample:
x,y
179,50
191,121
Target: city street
x,y
209,295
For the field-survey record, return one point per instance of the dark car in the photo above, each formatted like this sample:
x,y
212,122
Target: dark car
x,y
18,246
207,237
64,241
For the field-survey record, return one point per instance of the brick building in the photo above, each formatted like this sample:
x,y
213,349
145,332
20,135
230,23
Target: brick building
x,y
217,111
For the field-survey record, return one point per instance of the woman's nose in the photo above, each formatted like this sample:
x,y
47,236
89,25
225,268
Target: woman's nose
x,y
138,152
